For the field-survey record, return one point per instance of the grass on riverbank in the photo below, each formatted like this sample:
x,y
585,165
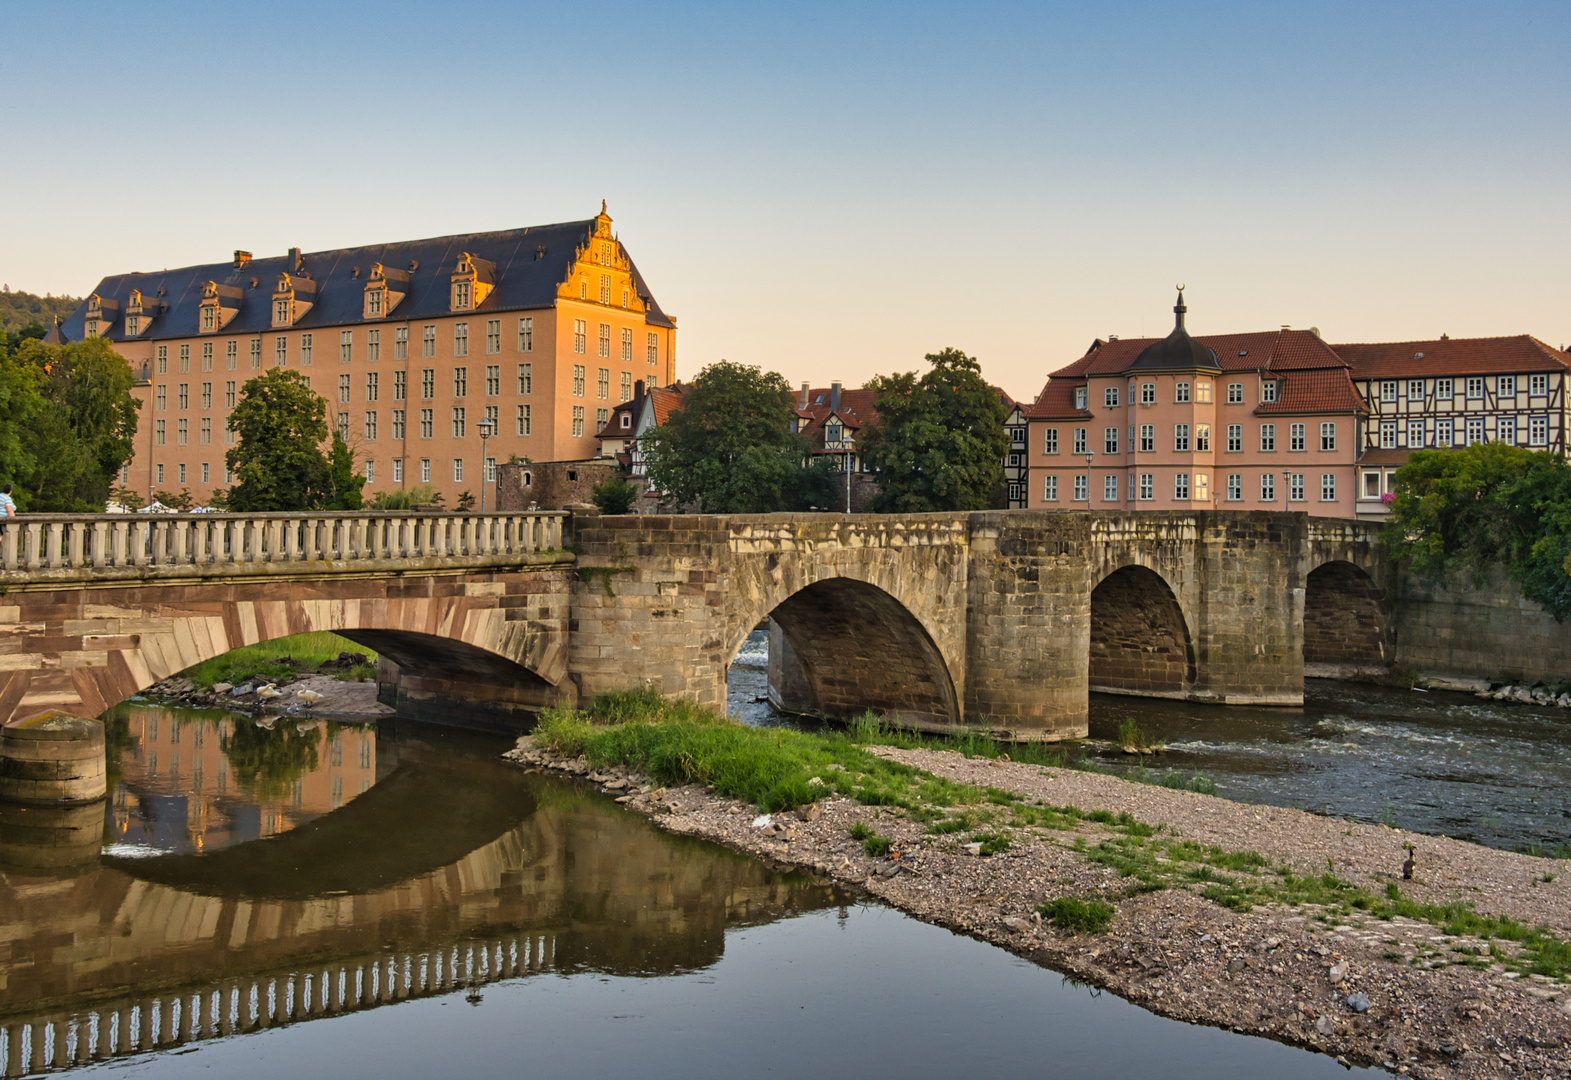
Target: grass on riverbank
x,y
282,658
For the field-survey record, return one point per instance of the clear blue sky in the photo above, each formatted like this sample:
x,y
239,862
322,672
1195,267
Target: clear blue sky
x,y
832,190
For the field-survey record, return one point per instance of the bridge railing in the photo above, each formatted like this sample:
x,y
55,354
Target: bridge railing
x,y
33,543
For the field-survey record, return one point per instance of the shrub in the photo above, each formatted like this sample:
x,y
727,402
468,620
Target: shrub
x,y
614,495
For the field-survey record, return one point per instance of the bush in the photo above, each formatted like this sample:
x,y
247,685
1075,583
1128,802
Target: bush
x,y
614,495
404,499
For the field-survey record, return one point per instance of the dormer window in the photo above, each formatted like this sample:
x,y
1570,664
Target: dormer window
x,y
1080,397
137,314
209,317
832,435
281,311
100,315
472,281
220,304
383,290
627,421
373,302
292,298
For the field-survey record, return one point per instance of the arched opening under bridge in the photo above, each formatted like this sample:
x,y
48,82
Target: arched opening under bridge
x,y
1140,641
1345,618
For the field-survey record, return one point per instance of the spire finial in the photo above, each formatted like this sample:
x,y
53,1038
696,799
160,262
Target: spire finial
x,y
1179,309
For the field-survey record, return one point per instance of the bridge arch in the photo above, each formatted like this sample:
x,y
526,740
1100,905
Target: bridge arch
x,y
1140,641
840,646
1346,617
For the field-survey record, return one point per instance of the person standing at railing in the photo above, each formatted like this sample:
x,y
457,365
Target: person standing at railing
x,y
7,507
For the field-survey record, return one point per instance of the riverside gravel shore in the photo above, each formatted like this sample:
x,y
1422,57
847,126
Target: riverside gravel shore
x,y
1437,1007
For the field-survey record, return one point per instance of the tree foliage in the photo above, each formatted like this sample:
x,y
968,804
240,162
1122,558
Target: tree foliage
x,y
278,464
67,423
731,449
1487,505
939,441
614,495
24,311
346,484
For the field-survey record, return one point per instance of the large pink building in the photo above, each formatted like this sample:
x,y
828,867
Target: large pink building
x,y
1262,421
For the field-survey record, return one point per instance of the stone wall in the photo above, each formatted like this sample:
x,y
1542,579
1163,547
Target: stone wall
x,y
551,485
1486,631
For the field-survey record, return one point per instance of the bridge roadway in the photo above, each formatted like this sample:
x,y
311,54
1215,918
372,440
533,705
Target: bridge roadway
x,y
1002,620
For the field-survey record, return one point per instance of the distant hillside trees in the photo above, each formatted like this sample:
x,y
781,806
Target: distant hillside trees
x,y
67,423
20,310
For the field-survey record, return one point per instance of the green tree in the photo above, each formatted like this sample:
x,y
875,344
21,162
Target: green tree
x,y
614,495
730,448
182,502
1487,505
280,424
346,483
939,441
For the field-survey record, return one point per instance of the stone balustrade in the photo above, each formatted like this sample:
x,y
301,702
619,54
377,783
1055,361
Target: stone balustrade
x,y
50,547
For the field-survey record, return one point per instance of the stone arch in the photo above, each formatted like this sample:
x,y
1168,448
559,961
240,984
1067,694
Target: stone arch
x,y
840,646
1345,617
1140,638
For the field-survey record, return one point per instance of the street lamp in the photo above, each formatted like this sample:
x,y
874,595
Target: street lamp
x,y
485,433
849,444
1287,486
1090,457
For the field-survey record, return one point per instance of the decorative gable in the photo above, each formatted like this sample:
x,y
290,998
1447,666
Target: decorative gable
x,y
220,304
601,271
139,314
293,296
472,281
101,315
383,290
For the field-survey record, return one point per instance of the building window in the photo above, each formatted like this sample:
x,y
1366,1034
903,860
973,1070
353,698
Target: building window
x,y
605,340
160,470
428,383
180,472
1050,489
280,351
1235,487
1295,487
1181,393
370,471
603,417
1202,397
1110,397
372,388
1202,487
1328,436
346,346
580,336
1110,488
398,470
1475,389
1131,475
1080,397
184,395
1050,441
343,426
1505,430
1181,438
1295,437
206,433
1080,441
603,384
1415,434
427,422
578,421
305,351
204,480
400,385
1082,488
1388,434
526,335
373,345
1202,438
460,382
1268,487
493,380
1268,390
627,345
1110,440
526,378
163,358
1538,431
398,432
579,377
185,354
343,388
652,349
425,470
1388,390
158,432
1147,486
1538,385
428,341
1415,389
1505,386
209,319
1181,487
627,392
160,398
229,395
458,422
231,356
1328,487
458,470
1235,438
461,339
400,352
1444,433
370,426
207,395
1372,484
493,336
207,355
523,420
1235,393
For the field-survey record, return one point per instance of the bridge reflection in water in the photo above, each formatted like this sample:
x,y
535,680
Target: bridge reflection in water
x,y
407,891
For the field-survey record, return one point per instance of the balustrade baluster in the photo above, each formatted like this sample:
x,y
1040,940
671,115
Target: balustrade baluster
x,y
54,550
76,534
10,546
35,547
180,530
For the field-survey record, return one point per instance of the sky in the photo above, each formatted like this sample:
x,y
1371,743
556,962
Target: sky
x,y
834,190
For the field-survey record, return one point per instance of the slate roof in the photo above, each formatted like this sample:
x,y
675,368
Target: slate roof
x,y
523,282
1453,356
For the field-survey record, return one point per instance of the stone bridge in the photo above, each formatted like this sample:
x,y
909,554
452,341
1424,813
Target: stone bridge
x,y
998,620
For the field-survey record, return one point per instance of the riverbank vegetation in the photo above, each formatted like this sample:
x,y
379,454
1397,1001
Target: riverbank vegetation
x,y
680,743
1487,505
284,658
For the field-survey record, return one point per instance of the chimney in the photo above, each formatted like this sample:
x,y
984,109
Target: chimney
x,y
295,261
638,389
805,390
834,397
241,258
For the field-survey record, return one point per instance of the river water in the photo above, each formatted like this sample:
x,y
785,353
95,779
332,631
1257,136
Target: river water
x,y
1439,763
389,900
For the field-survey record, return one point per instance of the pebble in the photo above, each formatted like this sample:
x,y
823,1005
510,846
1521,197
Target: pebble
x,y
1358,1002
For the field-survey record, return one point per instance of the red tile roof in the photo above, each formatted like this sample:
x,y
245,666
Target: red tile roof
x,y
1329,391
1452,356
856,411
1056,402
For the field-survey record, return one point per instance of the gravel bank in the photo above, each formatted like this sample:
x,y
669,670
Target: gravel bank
x,y
1283,973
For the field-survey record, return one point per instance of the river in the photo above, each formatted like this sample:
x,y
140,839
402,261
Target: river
x,y
390,900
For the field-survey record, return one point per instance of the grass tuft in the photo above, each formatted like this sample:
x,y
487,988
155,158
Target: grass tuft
x,y
1077,916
